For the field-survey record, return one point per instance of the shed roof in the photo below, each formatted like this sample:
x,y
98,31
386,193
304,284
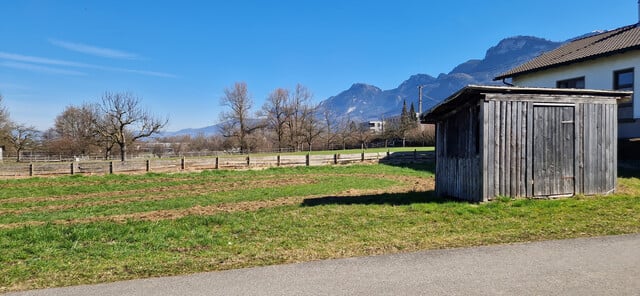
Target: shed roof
x,y
604,44
471,92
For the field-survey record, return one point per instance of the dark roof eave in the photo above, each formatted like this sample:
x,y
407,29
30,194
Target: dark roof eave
x,y
465,95
611,53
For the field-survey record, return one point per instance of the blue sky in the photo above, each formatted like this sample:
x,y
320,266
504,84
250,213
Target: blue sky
x,y
178,56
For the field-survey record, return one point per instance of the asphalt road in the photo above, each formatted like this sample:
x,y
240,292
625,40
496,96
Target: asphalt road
x,y
593,266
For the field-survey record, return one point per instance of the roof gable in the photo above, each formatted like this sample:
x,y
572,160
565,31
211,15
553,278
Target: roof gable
x,y
595,46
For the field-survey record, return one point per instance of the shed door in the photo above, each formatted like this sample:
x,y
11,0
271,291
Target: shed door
x,y
553,150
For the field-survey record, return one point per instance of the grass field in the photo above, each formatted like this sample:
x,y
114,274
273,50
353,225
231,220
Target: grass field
x,y
356,151
89,229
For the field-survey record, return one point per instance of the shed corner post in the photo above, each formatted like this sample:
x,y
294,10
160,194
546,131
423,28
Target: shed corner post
x,y
438,149
483,153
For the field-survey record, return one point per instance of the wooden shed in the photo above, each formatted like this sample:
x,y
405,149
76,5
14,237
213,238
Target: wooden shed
x,y
525,142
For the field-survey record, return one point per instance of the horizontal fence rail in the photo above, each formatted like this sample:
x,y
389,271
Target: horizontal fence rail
x,y
8,169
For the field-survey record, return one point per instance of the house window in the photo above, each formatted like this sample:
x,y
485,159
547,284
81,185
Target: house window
x,y
577,82
623,80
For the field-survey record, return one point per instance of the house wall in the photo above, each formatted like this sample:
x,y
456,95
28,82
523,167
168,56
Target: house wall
x,y
598,75
458,169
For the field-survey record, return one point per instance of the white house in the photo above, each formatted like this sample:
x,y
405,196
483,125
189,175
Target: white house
x,y
375,126
605,61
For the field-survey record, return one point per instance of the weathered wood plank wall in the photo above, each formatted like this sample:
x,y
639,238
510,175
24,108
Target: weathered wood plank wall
x,y
506,147
458,170
600,148
583,161
525,144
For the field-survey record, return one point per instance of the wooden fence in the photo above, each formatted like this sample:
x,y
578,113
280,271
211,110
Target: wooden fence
x,y
10,169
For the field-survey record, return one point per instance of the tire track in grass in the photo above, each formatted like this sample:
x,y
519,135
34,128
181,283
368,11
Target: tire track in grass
x,y
168,193
407,184
79,196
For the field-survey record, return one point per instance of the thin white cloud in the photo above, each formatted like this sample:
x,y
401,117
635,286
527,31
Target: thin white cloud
x,y
38,60
94,50
142,72
40,69
22,62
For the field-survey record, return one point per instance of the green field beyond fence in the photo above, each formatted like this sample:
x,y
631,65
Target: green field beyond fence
x,y
250,161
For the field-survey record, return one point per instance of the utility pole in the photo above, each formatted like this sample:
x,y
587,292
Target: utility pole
x,y
420,99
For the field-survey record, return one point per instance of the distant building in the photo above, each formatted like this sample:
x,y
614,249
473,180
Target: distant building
x,y
378,126
375,126
605,61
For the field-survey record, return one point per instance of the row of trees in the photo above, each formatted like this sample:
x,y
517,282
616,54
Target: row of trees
x,y
116,121
287,121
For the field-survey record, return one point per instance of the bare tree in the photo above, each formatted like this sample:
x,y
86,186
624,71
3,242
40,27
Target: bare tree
x,y
5,121
361,134
22,137
330,126
275,112
296,114
158,149
236,123
75,130
122,121
423,135
310,125
345,131
178,144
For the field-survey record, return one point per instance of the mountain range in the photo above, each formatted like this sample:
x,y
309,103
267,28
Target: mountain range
x,y
362,102
368,102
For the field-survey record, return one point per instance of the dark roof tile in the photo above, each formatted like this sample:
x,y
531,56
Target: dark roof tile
x,y
607,43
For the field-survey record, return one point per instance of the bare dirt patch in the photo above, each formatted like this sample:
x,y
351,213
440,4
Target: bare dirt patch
x,y
407,184
166,193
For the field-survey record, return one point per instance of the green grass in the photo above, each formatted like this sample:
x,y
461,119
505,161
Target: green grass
x,y
334,212
342,151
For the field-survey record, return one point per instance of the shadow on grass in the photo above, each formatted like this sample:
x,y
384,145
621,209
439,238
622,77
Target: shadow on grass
x,y
419,161
392,199
628,172
629,168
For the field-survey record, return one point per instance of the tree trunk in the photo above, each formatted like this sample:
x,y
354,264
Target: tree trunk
x,y
123,151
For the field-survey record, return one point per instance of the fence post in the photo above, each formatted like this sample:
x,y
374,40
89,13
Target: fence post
x,y
182,163
217,162
248,161
111,167
307,162
388,153
147,165
362,156
415,155
72,168
335,158
278,160
31,170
